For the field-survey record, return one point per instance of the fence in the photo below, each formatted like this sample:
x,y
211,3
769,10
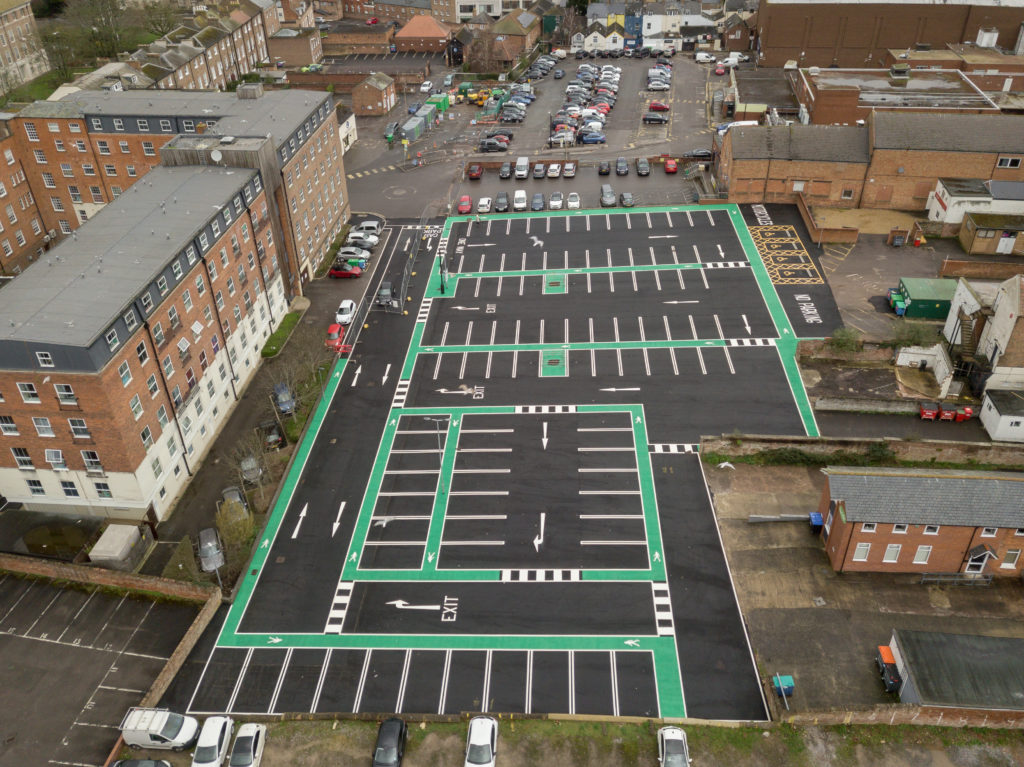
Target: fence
x,y
958,579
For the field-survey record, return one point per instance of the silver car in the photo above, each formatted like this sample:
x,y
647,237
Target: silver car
x,y
555,202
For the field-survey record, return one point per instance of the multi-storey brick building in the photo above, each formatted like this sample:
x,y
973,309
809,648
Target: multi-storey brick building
x,y
23,232
85,150
124,351
22,58
923,520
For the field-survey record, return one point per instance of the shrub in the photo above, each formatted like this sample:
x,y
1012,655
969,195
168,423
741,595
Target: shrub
x,y
845,339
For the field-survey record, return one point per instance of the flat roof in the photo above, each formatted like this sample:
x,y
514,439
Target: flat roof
x,y
921,89
948,132
1007,401
765,86
966,187
73,292
997,221
964,670
389,64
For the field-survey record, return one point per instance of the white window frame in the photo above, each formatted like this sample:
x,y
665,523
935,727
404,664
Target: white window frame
x,y
989,532
899,529
892,553
857,552
1007,564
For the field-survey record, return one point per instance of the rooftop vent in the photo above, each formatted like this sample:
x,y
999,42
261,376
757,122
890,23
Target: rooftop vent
x,y
900,70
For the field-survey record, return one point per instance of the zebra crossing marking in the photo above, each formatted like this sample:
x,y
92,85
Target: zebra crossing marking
x,y
336,618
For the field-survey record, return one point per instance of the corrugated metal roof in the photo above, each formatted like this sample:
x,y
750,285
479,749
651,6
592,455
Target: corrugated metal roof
x,y
1006,401
949,132
828,143
929,497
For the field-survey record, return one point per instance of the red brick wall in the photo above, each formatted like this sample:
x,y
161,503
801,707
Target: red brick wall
x,y
25,205
367,100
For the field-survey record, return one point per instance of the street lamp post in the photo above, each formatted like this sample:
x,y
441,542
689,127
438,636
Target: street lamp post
x,y
440,453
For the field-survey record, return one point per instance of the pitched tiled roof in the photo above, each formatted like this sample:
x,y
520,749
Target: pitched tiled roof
x,y
378,80
422,25
949,132
829,143
929,497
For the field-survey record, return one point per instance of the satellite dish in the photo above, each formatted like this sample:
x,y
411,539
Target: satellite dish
x,y
216,156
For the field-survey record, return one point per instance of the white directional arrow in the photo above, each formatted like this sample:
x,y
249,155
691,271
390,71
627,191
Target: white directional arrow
x,y
657,556
428,349
623,388
382,521
401,604
680,302
302,516
466,308
454,391
406,246
273,640
633,642
537,241
745,323
662,236
265,544
337,519
430,557
539,538
388,370
544,439
786,331
356,376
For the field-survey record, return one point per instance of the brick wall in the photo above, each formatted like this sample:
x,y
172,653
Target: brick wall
x,y
902,179
369,100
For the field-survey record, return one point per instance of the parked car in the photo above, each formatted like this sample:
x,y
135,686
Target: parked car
x,y
335,339
501,203
284,398
390,746
475,171
373,226
342,270
554,170
658,85
539,171
464,205
234,494
426,87
672,748
505,171
593,138
248,748
499,132
559,74
250,469
699,154
569,170
670,166
385,294
643,168
607,196
273,438
351,253
361,240
481,742
604,168
658,106
373,20
555,201
537,203
572,202
211,556
627,200
519,200
141,763
484,205
214,739
720,70
492,145
415,107
702,57
621,167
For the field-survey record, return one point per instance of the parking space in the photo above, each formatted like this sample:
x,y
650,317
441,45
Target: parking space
x,y
75,661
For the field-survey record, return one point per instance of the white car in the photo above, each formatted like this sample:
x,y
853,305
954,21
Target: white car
x,y
346,310
555,170
351,251
248,748
572,202
672,748
657,85
361,240
426,87
481,742
485,204
214,739
555,203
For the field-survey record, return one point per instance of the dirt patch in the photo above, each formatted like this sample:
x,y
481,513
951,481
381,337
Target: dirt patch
x,y
867,220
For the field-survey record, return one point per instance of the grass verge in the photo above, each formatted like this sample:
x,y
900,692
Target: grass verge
x,y
277,339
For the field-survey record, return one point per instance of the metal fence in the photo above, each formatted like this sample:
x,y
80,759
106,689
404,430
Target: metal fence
x,y
958,579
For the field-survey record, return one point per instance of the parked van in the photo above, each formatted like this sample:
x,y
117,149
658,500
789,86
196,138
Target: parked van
x,y
659,73
523,167
158,728
607,196
703,57
723,129
519,199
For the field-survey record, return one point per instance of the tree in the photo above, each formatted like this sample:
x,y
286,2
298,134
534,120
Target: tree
x,y
158,16
103,23
61,44
572,23
483,53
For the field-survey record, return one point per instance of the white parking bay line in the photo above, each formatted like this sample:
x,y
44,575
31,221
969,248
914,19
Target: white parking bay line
x,y
472,543
700,357
481,471
609,492
631,470
728,358
638,516
626,449
478,492
485,431
604,428
613,543
394,543
405,494
671,349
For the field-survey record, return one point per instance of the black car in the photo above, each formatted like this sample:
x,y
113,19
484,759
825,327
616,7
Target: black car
x,y
604,168
699,154
655,118
621,167
643,168
626,200
508,117
501,203
581,54
537,203
492,145
505,171
390,746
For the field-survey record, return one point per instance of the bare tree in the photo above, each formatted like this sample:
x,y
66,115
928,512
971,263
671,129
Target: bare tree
x,y
483,53
572,23
246,459
61,44
103,22
159,16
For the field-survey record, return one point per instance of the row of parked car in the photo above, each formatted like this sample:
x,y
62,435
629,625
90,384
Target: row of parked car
x,y
659,77
589,99
513,110
157,728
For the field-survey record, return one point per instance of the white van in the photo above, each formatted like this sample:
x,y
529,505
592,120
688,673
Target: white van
x,y
158,728
703,57
523,168
519,200
723,129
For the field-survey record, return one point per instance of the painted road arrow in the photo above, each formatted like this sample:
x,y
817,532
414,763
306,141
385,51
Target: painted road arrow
x,y
337,519
401,604
745,323
544,439
356,376
454,391
388,370
430,557
302,516
381,521
537,241
265,544
539,538
624,388
466,308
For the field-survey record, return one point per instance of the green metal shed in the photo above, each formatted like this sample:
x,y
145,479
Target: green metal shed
x,y
927,299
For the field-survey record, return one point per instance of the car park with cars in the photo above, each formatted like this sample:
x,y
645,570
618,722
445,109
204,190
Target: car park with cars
x,y
537,203
572,202
492,145
569,170
475,171
481,742
248,748
539,170
607,196
621,167
593,138
554,170
673,750
335,338
284,398
659,85
604,168
643,167
519,202
671,165
658,106
505,171
501,203
362,240
627,200
699,154
555,201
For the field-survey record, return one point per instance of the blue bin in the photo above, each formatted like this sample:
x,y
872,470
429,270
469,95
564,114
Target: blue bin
x,y
783,685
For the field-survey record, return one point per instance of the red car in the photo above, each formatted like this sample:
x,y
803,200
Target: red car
x,y
719,70
670,166
657,106
335,337
476,170
373,20
340,270
465,204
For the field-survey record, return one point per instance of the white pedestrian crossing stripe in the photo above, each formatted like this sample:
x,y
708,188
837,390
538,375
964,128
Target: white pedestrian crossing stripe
x,y
336,618
545,409
677,448
663,610
513,576
401,392
424,312
751,342
726,265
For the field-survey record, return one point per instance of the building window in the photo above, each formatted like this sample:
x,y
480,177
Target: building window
x,y
176,268
130,170
143,126
103,490
130,320
69,488
48,181
922,554
7,426
158,470
867,527
65,394
103,147
860,554
1019,531
989,532
22,458
161,416
125,372
91,459
112,342
147,438
186,299
30,131
78,428
28,392
147,302
123,146
931,529
892,553
1010,559
88,169
45,359
43,428
147,148
173,319
58,205
35,487
168,366
161,285
56,460
136,406
899,529
158,334
1008,162
142,352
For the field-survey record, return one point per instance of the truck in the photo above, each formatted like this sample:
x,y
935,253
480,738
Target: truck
x,y
158,728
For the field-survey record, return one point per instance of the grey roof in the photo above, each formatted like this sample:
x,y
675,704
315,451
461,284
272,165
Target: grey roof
x,y
949,132
1006,401
276,113
966,187
820,143
964,670
1006,190
71,294
929,497
378,80
421,4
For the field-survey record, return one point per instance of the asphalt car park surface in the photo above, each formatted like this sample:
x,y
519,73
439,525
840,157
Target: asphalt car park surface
x,y
74,662
498,507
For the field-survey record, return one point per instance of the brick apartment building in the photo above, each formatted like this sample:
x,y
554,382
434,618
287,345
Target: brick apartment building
x,y
400,10
859,34
23,233
125,350
894,161
21,57
82,152
216,46
923,520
